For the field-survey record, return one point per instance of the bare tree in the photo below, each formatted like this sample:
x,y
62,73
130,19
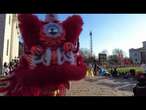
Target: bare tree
x,y
85,52
113,60
87,55
105,51
119,53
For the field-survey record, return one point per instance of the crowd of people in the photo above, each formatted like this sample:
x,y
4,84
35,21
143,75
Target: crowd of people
x,y
138,90
95,70
117,74
10,67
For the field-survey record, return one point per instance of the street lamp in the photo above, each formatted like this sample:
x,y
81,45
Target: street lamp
x,y
91,42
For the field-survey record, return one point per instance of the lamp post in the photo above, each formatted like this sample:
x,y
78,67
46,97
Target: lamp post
x,y
91,43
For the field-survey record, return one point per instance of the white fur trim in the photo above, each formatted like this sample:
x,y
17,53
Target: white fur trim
x,y
47,57
69,56
60,61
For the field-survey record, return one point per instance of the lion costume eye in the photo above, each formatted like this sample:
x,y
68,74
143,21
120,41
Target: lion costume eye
x,y
52,30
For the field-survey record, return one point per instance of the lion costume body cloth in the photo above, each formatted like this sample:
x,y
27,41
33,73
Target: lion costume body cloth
x,y
50,59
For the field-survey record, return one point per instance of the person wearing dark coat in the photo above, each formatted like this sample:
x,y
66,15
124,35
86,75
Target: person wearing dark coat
x,y
140,88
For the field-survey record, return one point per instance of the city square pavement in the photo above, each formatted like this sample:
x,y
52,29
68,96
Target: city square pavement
x,y
101,86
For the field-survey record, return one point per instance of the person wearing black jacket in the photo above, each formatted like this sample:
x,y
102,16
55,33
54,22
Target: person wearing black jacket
x,y
140,88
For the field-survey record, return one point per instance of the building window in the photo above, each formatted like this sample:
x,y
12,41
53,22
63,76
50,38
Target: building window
x,y
9,19
7,48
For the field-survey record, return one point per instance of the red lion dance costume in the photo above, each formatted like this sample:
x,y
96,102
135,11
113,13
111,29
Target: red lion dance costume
x,y
51,56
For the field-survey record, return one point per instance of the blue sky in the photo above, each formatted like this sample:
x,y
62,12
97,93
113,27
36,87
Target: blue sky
x,y
111,31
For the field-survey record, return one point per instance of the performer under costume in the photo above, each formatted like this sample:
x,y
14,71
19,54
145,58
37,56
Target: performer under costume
x,y
51,56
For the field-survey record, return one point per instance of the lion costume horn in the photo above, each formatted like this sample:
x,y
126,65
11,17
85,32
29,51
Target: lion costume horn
x,y
51,18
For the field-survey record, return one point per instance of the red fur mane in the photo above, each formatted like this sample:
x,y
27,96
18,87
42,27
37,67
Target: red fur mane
x,y
45,76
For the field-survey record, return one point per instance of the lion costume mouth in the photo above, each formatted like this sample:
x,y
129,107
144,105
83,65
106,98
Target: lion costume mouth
x,y
50,74
68,66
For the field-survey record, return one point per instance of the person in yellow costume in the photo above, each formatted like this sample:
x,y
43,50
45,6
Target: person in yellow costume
x,y
89,71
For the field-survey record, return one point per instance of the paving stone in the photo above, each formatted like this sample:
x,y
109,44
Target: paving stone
x,y
101,87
